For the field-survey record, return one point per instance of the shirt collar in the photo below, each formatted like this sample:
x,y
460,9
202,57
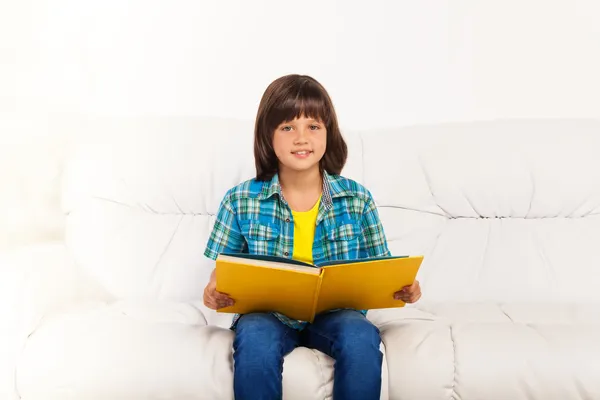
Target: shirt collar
x,y
333,187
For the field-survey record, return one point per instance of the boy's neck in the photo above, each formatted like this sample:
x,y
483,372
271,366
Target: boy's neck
x,y
301,181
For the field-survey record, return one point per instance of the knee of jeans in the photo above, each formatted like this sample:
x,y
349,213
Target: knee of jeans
x,y
359,334
259,331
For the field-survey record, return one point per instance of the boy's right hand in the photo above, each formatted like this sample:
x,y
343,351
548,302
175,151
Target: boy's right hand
x,y
213,299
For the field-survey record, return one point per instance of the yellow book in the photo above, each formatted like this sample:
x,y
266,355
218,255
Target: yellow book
x,y
301,290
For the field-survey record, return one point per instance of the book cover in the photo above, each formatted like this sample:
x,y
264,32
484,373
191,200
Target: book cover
x,y
300,290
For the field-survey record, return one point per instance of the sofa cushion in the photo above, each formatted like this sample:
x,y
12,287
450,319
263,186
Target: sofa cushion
x,y
141,197
504,211
490,351
135,350
129,346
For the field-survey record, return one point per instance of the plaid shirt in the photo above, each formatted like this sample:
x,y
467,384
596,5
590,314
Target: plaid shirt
x,y
254,218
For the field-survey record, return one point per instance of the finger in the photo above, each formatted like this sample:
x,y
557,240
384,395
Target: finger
x,y
415,286
207,300
209,295
210,302
415,298
223,298
224,301
403,298
221,295
215,300
408,289
221,304
215,304
408,293
227,304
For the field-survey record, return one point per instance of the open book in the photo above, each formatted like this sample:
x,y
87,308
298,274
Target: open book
x,y
300,290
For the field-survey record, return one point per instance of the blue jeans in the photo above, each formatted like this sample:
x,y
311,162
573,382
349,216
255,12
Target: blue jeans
x,y
261,342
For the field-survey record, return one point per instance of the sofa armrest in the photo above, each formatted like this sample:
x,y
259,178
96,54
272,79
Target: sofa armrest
x,y
35,281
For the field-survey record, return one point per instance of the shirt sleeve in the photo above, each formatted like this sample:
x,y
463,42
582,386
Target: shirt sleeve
x,y
226,234
373,236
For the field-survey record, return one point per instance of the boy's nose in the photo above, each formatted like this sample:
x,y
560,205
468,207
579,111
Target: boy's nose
x,y
302,134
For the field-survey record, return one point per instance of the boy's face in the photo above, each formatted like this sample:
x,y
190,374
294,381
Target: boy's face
x,y
300,144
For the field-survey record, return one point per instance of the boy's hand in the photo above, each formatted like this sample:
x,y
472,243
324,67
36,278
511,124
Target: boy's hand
x,y
213,299
409,294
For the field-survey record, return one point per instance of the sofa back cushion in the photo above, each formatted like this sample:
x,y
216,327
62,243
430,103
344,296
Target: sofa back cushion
x,y
502,210
141,195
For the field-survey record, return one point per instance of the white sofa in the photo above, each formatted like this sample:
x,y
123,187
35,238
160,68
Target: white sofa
x,y
507,214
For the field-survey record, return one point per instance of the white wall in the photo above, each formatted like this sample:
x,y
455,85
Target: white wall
x,y
385,63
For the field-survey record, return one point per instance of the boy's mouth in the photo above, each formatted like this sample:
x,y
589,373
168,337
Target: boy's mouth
x,y
302,153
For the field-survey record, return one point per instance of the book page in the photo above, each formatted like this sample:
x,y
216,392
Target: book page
x,y
271,262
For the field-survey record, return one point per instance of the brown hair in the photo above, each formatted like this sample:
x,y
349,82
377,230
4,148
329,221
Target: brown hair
x,y
286,98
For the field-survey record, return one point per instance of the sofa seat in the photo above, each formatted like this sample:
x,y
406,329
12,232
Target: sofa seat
x,y
433,351
493,351
130,344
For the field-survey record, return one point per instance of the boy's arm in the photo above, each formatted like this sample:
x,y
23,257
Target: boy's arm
x,y
374,242
226,234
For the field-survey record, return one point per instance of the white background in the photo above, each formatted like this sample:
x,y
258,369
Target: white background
x,y
385,63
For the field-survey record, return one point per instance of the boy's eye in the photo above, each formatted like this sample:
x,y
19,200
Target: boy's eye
x,y
286,128
314,127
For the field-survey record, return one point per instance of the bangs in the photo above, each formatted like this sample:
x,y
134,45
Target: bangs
x,y
303,100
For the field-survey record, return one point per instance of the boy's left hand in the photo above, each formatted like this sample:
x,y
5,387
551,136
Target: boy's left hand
x,y
409,294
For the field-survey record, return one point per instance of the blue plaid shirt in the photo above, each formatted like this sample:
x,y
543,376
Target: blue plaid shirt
x,y
254,218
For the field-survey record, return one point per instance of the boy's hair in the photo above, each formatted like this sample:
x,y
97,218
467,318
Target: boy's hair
x,y
286,98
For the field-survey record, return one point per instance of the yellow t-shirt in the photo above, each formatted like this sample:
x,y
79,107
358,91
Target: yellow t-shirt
x,y
304,233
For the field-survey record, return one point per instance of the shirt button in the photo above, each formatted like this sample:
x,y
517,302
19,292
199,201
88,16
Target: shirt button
x,y
286,254
287,220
